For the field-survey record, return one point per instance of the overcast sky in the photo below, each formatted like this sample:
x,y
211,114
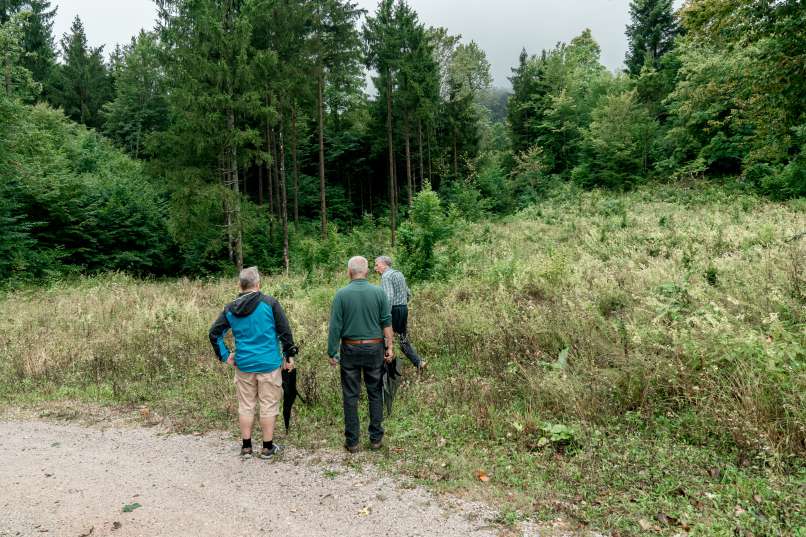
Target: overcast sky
x,y
500,27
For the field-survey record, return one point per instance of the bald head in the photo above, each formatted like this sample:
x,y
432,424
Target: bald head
x,y
357,267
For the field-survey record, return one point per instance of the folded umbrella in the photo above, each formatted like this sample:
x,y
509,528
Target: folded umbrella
x,y
290,394
390,379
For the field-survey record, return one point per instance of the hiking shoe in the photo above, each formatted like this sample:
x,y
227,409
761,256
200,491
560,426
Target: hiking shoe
x,y
351,449
267,453
246,453
375,446
422,366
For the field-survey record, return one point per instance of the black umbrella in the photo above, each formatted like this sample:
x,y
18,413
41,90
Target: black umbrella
x,y
290,394
391,380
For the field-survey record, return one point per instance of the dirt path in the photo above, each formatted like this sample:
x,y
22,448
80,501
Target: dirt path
x,y
70,480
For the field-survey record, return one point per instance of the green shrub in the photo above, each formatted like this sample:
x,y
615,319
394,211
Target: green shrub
x,y
421,233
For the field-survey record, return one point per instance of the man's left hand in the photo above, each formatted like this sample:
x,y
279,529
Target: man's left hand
x,y
289,364
333,361
231,359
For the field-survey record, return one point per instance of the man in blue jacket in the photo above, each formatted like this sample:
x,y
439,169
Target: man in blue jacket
x,y
257,322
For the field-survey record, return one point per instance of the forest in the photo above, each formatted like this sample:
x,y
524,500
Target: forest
x,y
241,131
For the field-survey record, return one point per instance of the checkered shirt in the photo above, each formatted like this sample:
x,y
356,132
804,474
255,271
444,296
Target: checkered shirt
x,y
394,285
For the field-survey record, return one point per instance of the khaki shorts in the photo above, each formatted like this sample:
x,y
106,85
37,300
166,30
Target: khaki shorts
x,y
264,387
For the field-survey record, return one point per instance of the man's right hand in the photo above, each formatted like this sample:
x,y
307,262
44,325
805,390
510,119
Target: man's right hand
x,y
389,355
333,362
231,359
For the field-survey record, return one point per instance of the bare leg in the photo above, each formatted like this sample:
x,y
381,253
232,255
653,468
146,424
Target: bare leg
x,y
246,426
267,427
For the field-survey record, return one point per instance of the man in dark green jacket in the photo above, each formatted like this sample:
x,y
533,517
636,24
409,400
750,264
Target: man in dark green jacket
x,y
359,340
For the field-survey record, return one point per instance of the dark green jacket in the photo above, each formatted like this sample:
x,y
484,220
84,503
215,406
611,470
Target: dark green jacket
x,y
359,311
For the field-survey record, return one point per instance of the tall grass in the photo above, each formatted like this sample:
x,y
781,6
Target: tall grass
x,y
573,348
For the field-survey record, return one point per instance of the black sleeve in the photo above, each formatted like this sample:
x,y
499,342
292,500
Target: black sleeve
x,y
216,334
282,328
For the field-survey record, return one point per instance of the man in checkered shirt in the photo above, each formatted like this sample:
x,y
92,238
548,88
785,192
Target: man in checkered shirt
x,y
394,285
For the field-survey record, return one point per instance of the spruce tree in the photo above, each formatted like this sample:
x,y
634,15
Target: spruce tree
x,y
82,85
337,62
215,97
651,33
17,81
383,53
37,42
140,106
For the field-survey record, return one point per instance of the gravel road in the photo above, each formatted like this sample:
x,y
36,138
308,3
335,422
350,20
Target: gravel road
x,y
70,480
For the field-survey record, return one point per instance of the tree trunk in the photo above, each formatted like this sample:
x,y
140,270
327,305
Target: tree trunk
x,y
408,167
260,184
361,191
455,157
269,171
235,221
223,169
321,112
276,173
283,198
8,77
420,148
294,162
392,188
369,197
430,172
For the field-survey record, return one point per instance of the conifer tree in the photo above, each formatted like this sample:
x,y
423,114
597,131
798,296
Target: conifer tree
x,y
140,106
37,41
337,60
214,95
82,84
17,80
651,33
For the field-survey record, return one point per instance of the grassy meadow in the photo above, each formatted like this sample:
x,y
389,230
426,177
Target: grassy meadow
x,y
633,363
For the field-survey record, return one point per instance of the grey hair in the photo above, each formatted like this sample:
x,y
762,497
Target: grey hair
x,y
357,265
249,278
385,259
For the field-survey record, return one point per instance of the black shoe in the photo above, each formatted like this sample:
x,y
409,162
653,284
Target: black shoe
x,y
351,449
267,453
375,446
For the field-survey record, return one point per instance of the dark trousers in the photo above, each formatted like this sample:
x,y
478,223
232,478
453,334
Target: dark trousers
x,y
366,360
400,322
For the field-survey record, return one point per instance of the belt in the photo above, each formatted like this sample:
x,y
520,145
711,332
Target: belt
x,y
362,341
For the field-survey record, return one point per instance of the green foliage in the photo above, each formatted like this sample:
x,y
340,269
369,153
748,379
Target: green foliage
x,y
140,105
82,84
561,437
39,54
530,178
70,201
17,80
651,33
617,147
554,96
420,235
738,103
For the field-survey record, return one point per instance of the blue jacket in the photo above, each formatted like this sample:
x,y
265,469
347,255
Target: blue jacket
x,y
257,322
